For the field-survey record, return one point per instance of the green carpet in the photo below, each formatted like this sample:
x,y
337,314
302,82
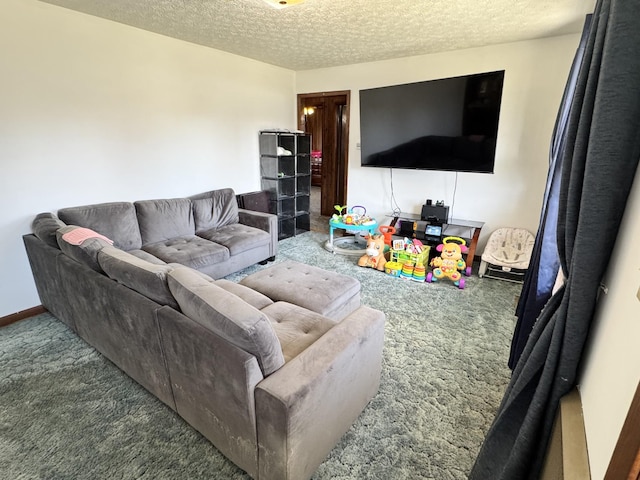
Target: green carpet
x,y
68,413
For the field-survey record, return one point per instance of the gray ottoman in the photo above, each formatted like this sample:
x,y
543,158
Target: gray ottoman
x,y
330,294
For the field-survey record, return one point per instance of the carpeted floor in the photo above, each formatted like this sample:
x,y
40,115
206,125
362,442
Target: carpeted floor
x,y
68,413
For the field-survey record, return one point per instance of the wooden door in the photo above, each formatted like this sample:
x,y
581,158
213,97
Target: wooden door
x,y
625,461
328,125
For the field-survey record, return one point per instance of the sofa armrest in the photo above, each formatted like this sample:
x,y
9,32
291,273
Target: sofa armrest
x,y
305,407
213,384
264,221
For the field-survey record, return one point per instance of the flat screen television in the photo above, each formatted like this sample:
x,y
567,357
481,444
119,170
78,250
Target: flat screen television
x,y
446,124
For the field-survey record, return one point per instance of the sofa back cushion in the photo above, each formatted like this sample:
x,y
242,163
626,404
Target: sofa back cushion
x,y
215,209
252,297
45,226
162,220
116,221
146,278
228,316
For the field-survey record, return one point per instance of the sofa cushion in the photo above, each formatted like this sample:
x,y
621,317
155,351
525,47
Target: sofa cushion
x,y
253,298
146,278
228,316
45,226
215,209
238,238
296,327
162,220
116,221
85,253
147,256
191,251
330,294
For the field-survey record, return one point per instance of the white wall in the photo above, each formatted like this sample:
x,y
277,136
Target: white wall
x,y
535,75
612,361
95,111
536,72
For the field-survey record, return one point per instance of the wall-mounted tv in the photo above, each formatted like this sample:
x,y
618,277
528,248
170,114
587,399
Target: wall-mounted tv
x,y
446,124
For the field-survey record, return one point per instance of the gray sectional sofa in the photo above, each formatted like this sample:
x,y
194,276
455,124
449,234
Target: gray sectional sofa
x,y
207,231
271,384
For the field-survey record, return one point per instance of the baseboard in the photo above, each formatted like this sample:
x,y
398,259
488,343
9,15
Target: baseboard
x,y
567,456
21,315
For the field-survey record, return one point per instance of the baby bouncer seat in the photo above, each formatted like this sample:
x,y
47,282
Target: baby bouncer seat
x,y
507,254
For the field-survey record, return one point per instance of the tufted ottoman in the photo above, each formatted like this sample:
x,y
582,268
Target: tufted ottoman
x,y
330,294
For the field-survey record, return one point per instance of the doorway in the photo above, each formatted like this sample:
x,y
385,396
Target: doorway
x,y
325,116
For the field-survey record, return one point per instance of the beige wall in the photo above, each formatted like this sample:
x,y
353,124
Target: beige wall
x,y
535,75
95,111
612,367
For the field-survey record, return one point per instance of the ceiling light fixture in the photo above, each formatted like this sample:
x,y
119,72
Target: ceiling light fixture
x,y
279,4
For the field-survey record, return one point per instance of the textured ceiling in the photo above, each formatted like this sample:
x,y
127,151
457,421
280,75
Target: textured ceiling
x,y
325,33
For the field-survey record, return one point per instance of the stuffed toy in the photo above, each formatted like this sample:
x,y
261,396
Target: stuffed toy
x,y
450,262
374,256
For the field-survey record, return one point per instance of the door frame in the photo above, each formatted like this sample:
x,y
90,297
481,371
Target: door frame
x,y
335,180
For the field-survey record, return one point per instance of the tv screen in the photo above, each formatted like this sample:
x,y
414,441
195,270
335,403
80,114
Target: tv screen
x,y
446,124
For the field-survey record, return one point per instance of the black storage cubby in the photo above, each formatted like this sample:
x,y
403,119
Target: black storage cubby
x,y
285,170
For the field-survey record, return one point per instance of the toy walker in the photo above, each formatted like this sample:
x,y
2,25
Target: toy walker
x,y
450,263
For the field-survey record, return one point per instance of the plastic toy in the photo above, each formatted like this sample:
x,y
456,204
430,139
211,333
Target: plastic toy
x,y
356,215
407,270
387,231
419,273
450,262
414,246
374,256
393,268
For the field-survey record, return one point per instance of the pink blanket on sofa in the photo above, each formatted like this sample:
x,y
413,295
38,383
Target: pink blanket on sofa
x,y
80,234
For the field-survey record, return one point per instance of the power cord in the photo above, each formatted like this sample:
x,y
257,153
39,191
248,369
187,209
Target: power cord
x,y
395,209
453,200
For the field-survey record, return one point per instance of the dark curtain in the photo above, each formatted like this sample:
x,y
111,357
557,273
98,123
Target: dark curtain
x,y
545,261
599,161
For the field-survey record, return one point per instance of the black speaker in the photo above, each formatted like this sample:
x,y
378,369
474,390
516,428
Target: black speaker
x,y
435,212
406,228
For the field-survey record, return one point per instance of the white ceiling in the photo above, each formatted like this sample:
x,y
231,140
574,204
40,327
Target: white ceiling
x,y
325,33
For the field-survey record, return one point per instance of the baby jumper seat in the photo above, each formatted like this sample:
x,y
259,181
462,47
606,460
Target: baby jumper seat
x,y
507,254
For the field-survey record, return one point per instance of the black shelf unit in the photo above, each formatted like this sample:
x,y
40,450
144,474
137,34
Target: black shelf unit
x,y
285,172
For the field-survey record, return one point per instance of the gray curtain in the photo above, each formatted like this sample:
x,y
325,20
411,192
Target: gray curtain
x,y
599,161
545,262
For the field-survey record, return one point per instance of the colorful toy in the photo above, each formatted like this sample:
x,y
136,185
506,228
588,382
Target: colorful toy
x,y
387,231
409,250
414,246
374,256
393,268
398,244
419,273
356,215
450,262
407,270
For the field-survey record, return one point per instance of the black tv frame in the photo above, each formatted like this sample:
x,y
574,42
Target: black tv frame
x,y
448,124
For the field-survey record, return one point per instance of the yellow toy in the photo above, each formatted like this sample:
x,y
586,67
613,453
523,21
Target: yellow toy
x,y
374,256
450,262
